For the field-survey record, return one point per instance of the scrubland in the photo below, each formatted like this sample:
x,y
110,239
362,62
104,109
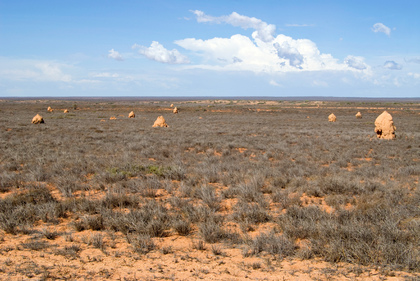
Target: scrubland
x,y
231,190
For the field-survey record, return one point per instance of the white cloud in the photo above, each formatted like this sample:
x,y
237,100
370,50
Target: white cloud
x,y
263,30
397,82
274,83
290,53
263,52
380,27
158,53
414,75
414,60
392,65
282,54
298,25
319,83
345,80
105,75
34,70
356,62
238,49
19,74
115,55
87,81
52,72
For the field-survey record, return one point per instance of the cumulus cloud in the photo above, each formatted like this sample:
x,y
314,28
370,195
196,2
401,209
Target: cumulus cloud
x,y
263,30
282,54
392,65
115,55
355,62
380,27
236,59
264,51
289,53
157,52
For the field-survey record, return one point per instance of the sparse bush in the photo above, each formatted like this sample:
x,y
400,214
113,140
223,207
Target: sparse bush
x,y
199,245
9,181
95,222
256,265
345,238
20,211
70,251
209,197
176,172
38,173
97,241
282,196
211,230
167,250
120,200
210,172
142,243
35,245
151,219
301,222
67,185
216,250
199,213
250,213
50,212
49,234
278,245
183,227
231,192
186,190
250,192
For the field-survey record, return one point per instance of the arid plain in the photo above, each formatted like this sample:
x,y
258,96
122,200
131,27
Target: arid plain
x,y
230,190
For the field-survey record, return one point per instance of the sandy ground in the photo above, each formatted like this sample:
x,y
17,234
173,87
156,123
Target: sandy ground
x,y
177,259
74,256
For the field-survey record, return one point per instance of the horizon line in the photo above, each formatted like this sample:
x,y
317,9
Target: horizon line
x,y
289,98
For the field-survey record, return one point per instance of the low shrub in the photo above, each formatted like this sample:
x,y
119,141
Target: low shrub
x,y
142,243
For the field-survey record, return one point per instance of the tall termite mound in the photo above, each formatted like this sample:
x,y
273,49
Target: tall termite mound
x,y
160,122
384,126
332,118
37,119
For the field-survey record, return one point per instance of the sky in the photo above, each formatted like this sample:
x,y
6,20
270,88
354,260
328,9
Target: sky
x,y
267,48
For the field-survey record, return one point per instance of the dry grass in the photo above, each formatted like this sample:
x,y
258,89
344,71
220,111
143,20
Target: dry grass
x,y
251,186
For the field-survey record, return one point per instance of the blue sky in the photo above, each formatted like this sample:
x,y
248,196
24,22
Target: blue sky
x,y
209,48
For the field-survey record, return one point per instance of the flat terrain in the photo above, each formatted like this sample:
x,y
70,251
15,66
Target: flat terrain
x,y
231,190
